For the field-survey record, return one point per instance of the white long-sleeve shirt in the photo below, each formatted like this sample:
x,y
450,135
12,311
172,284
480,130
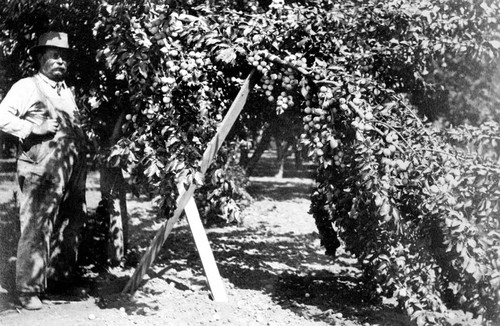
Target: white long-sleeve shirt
x,y
23,106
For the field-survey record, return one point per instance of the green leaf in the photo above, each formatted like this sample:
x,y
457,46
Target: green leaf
x,y
385,210
143,69
227,56
471,266
495,44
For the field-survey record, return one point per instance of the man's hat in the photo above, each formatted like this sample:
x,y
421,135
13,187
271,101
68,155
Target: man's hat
x,y
51,39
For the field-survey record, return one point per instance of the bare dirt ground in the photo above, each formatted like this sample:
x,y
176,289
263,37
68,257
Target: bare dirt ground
x,y
273,267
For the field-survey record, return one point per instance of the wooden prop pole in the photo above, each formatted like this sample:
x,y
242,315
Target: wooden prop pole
x,y
184,197
205,252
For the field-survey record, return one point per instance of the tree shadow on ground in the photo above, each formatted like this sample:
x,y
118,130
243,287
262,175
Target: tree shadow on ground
x,y
269,167
333,295
286,189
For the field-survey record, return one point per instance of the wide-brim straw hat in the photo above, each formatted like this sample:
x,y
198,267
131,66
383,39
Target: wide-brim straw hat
x,y
51,39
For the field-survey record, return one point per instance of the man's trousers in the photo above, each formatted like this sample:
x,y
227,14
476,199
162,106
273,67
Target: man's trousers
x,y
52,179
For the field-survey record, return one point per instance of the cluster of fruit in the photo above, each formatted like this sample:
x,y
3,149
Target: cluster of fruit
x,y
181,69
315,118
318,115
337,158
391,139
252,5
396,167
260,63
325,97
277,4
279,78
324,146
317,126
161,27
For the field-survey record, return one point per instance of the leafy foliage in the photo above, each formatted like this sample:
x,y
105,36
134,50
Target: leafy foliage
x,y
224,196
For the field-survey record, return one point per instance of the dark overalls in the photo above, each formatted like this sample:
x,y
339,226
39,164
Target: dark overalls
x,y
52,174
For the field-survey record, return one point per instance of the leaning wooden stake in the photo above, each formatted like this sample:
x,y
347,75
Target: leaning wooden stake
x,y
205,252
184,197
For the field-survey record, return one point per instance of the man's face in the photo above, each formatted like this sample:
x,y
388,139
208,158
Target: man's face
x,y
54,63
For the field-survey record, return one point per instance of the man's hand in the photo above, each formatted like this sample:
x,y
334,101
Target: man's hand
x,y
49,126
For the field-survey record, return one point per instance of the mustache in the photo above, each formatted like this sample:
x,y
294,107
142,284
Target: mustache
x,y
63,69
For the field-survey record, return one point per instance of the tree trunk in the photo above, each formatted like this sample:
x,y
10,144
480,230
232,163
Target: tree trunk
x,y
244,158
282,148
113,199
298,158
2,146
259,150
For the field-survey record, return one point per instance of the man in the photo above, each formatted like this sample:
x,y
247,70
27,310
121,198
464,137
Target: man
x,y
41,111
